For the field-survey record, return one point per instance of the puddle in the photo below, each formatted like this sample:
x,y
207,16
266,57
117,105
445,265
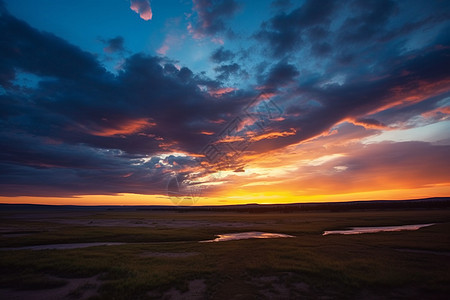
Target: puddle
x,y
360,230
246,235
62,246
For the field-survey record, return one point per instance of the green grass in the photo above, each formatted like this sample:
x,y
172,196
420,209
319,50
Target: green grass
x,y
336,266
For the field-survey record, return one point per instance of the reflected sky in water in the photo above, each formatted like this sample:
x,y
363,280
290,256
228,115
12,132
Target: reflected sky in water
x,y
360,230
247,235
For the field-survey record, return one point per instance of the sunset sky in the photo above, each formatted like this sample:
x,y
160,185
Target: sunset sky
x,y
131,102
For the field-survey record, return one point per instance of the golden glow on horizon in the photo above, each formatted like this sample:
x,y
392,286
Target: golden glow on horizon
x,y
239,197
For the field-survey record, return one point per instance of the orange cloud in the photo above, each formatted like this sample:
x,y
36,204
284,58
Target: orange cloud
x,y
366,123
221,91
167,146
443,111
229,139
129,127
220,121
273,135
414,92
207,132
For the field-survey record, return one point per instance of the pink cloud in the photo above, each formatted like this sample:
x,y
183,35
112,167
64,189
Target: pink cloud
x,y
221,91
126,127
218,41
163,49
142,7
196,35
171,40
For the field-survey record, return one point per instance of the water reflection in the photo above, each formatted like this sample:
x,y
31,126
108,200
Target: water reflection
x,y
360,230
247,235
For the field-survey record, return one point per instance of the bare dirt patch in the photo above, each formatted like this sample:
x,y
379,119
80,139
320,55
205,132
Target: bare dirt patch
x,y
196,291
283,286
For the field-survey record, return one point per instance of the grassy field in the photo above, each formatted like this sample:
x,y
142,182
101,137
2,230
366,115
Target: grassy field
x,y
163,259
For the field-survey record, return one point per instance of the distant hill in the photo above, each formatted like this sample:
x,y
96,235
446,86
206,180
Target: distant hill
x,y
427,203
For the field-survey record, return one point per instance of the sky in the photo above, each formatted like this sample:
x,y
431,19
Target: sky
x,y
165,102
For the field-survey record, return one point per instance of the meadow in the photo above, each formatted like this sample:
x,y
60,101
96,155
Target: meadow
x,y
161,257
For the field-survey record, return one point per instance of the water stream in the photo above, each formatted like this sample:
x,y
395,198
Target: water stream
x,y
247,235
360,230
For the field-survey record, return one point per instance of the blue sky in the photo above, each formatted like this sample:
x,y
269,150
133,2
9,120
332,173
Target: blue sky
x,y
302,100
86,24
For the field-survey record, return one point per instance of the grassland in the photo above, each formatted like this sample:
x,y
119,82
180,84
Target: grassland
x,y
162,258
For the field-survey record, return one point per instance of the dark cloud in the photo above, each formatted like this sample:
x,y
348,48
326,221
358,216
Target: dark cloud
x,y
35,166
321,49
421,76
368,21
81,130
221,55
279,75
42,53
225,71
2,7
114,45
284,32
212,16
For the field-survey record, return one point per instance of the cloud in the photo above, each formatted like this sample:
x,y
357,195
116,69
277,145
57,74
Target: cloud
x,y
222,91
127,128
427,77
221,55
114,45
33,167
212,16
369,123
225,71
142,7
35,57
369,20
279,75
388,166
82,130
284,32
273,135
2,8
